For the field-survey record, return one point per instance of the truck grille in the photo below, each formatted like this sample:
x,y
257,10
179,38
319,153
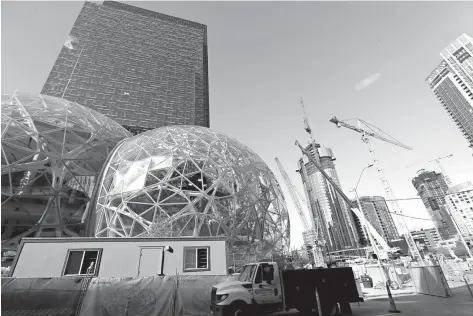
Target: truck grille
x,y
213,296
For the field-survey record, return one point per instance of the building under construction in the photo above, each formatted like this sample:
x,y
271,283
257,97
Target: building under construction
x,y
432,188
338,227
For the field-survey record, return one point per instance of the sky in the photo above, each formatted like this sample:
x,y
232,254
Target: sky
x,y
349,59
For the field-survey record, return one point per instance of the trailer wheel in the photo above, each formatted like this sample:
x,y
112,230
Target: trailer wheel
x,y
238,309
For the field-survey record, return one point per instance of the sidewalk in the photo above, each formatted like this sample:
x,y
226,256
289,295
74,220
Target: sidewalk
x,y
460,304
407,289
371,293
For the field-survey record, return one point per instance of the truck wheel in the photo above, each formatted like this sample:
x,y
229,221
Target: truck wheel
x,y
237,309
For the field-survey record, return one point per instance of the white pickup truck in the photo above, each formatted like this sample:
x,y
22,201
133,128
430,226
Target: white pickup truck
x,y
265,288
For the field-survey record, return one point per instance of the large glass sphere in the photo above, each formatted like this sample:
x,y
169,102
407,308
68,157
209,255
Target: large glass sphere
x,y
52,150
191,181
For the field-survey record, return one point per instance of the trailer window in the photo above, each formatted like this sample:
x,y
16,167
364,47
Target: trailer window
x,y
78,261
196,258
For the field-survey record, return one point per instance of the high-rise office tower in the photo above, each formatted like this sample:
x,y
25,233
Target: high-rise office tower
x,y
141,68
432,189
333,213
452,83
460,204
377,213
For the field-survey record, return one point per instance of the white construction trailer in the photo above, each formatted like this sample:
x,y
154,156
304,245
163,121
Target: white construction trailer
x,y
120,257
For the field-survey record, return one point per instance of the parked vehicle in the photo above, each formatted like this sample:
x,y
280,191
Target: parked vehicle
x,y
264,287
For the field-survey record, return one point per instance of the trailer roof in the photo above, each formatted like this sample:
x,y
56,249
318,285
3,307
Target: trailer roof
x,y
116,239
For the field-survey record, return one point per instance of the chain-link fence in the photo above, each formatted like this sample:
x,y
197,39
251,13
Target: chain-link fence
x,y
163,296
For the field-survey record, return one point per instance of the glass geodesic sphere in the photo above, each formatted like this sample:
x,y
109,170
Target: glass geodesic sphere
x,y
52,150
191,181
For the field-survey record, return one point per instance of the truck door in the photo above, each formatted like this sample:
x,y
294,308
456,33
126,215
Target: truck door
x,y
267,286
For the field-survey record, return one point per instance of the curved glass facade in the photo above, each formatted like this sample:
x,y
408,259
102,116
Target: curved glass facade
x,y
52,151
191,181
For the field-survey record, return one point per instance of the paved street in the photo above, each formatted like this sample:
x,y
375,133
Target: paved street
x,y
461,304
419,305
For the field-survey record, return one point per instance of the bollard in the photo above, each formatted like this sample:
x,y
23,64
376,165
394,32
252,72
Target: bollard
x,y
317,297
391,300
467,286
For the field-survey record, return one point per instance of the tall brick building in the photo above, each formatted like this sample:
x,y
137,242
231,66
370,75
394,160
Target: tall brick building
x,y
141,68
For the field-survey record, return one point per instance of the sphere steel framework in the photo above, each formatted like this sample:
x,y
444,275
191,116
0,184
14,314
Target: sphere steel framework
x,y
52,150
191,181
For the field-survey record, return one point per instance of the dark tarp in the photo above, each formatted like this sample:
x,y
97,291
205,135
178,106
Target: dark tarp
x,y
40,296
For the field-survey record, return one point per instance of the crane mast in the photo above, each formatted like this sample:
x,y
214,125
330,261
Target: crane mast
x,y
314,241
367,130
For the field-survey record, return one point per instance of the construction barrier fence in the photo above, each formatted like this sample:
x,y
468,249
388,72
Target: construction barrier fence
x,y
48,296
163,296
398,274
430,280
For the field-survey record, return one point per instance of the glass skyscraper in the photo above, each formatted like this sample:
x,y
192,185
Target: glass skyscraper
x,y
336,223
141,68
452,83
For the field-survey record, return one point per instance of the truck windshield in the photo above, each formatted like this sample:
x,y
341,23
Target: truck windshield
x,y
247,273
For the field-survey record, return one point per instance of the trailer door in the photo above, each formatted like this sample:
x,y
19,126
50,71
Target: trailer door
x,y
150,261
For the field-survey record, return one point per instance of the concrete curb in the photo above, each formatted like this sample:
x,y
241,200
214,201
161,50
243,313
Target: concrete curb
x,y
370,297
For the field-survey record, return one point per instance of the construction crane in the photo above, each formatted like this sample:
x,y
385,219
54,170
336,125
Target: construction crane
x,y
439,165
315,242
444,174
307,128
295,195
367,130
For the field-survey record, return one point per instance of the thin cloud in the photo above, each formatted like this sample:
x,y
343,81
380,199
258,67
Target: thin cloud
x,y
368,81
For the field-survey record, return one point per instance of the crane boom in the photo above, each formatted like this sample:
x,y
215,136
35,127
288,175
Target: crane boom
x,y
367,130
294,197
314,243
